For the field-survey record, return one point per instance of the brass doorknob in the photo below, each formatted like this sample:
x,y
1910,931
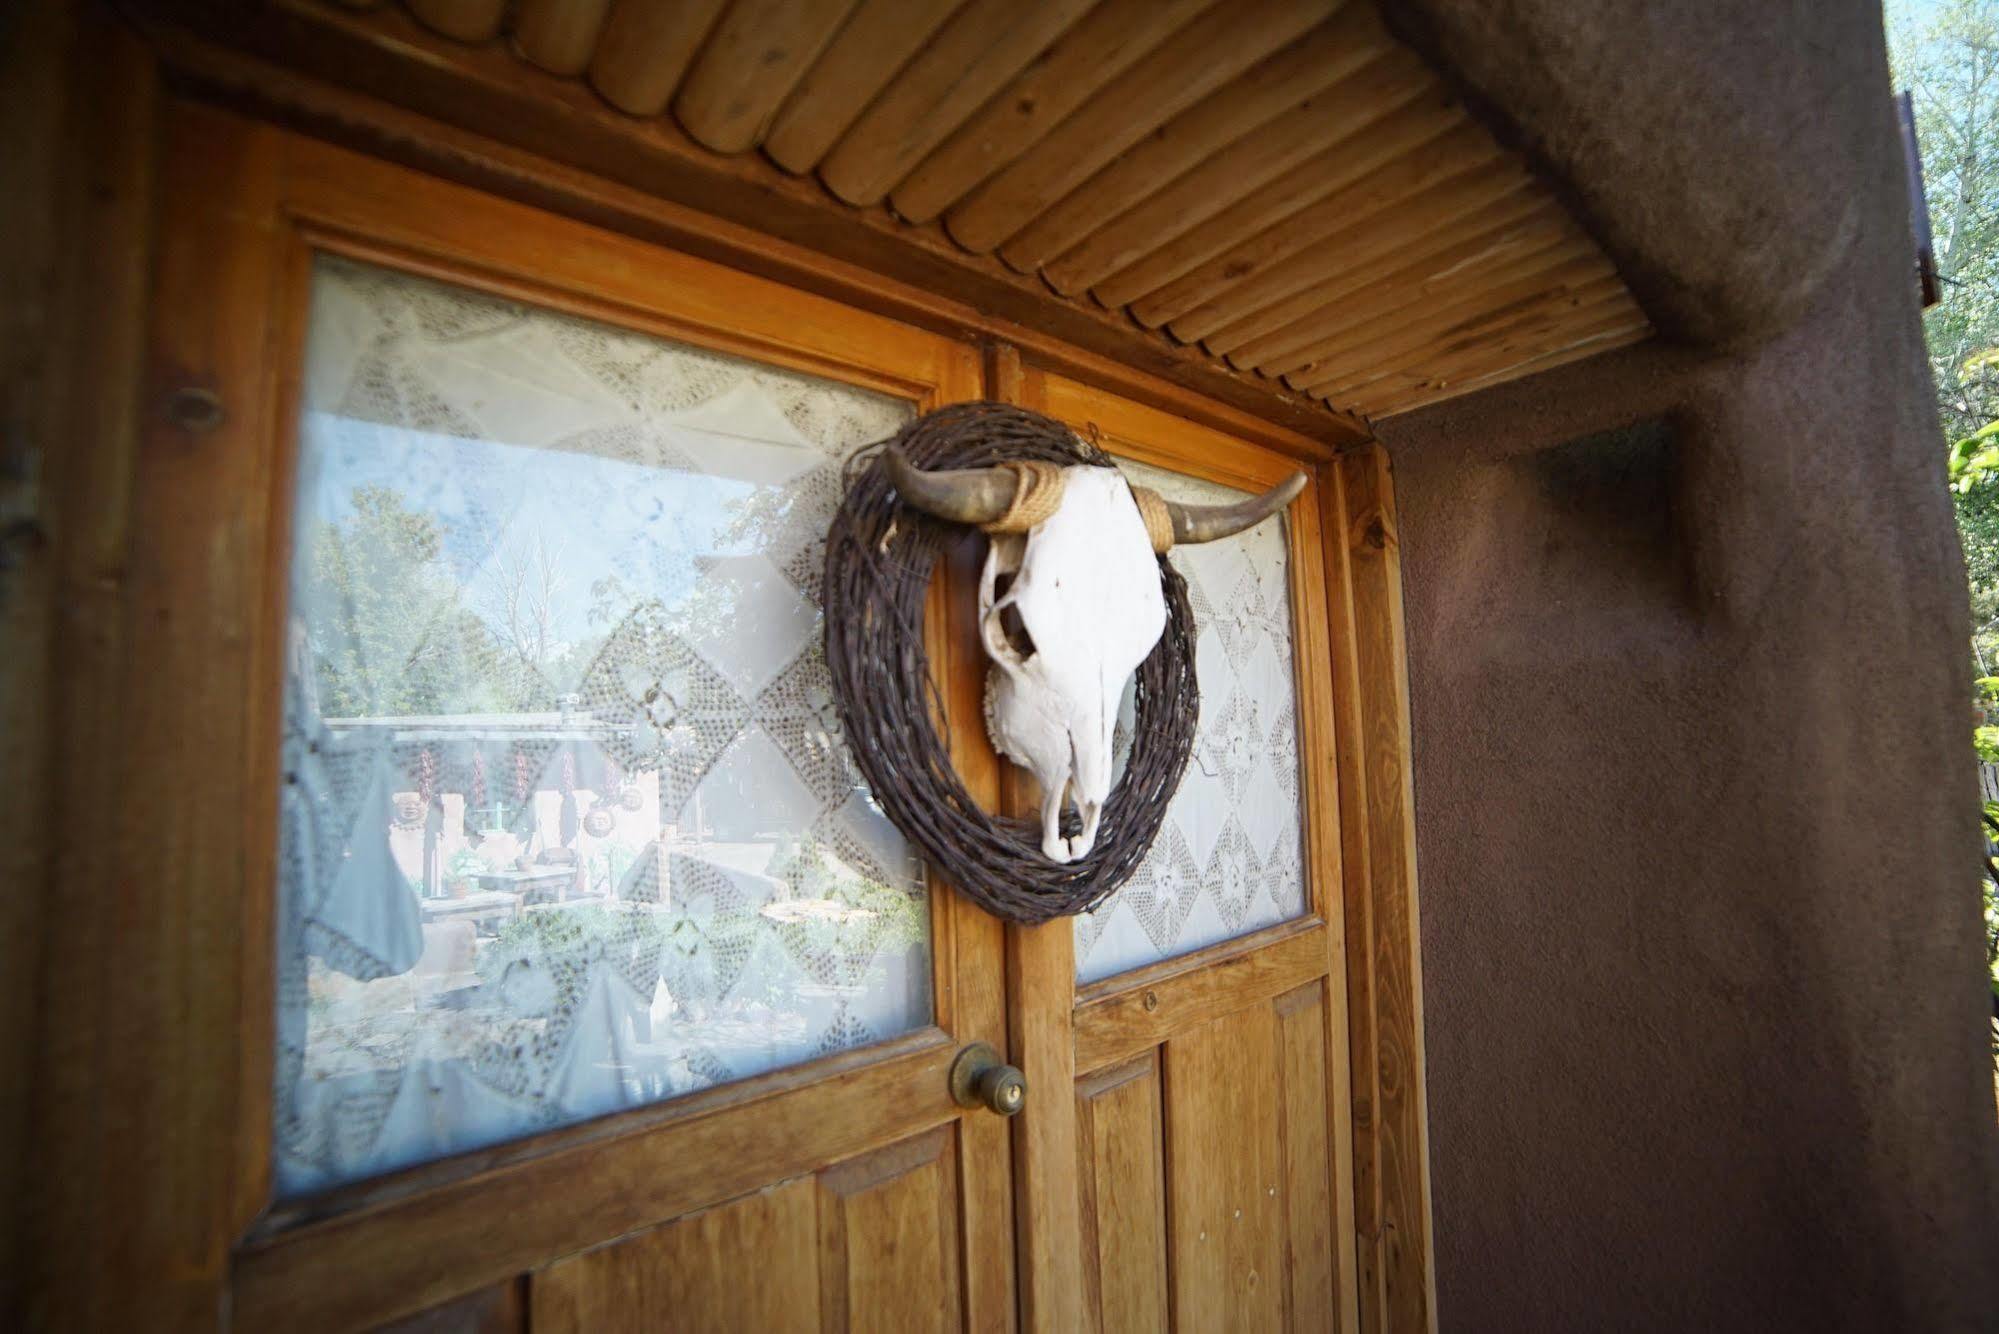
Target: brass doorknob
x,y
980,1079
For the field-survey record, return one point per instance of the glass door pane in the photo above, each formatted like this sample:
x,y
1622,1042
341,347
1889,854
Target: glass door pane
x,y
567,823
1229,858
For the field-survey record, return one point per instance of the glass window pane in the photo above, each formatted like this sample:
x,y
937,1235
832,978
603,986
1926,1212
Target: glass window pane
x,y
567,824
1229,858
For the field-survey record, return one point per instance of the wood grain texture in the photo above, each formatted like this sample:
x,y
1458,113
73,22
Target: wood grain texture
x,y
1624,328
1553,279
752,1263
1349,260
1108,40
462,20
978,1003
1302,329
1121,1164
1339,271
500,1309
1394,1211
973,56
559,35
877,39
1134,1011
1311,1294
1445,179
141,1052
1041,980
1491,340
1329,53
748,66
38,210
1333,168
1225,1173
1122,132
82,116
1224,41
888,1240
645,48
1148,213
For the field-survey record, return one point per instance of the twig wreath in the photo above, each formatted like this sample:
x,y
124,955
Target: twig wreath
x,y
880,553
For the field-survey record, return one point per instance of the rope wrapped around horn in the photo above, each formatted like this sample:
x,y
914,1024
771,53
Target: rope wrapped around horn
x,y
1014,496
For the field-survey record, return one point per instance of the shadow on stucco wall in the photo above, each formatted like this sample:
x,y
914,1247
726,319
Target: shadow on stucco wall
x,y
1704,1005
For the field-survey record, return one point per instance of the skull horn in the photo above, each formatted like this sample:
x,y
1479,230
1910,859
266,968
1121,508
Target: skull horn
x,y
961,495
1206,523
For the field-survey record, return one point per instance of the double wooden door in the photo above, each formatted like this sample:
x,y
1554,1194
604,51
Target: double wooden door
x,y
543,962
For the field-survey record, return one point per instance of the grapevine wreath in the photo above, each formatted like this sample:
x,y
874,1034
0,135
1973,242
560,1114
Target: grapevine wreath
x,y
880,553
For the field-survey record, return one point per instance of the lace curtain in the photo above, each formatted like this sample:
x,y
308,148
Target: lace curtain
x,y
567,823
1229,858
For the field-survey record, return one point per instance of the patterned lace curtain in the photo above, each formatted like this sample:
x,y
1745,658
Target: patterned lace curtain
x,y
1228,859
567,823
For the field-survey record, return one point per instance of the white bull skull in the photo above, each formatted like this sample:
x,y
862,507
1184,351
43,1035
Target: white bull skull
x,y
1069,606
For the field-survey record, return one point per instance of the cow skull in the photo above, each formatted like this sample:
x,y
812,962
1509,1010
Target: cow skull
x,y
1068,609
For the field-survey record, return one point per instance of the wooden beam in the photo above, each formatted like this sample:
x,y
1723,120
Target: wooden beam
x,y
1525,329
1607,336
464,20
749,65
1333,168
1299,73
1311,145
559,35
1552,272
1344,264
1193,62
965,62
878,39
1452,177
645,48
1110,39
480,117
1279,330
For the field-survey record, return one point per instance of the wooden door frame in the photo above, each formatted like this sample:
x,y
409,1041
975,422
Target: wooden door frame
x,y
1360,928
117,1219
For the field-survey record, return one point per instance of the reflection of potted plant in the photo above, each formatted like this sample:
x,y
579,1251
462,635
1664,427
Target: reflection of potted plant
x,y
465,864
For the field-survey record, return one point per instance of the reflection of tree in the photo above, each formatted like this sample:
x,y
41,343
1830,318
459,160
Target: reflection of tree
x,y
522,585
389,632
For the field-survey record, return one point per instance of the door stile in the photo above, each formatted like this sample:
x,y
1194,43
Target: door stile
x,y
979,1005
1041,1000
1391,1150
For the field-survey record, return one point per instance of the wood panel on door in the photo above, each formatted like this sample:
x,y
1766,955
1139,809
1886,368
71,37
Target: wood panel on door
x,y
1211,1134
843,1185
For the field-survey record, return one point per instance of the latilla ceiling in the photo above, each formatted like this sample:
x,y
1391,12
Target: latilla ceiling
x,y
1277,181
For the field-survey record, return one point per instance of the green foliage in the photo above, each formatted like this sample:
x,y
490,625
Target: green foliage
x,y
1947,56
393,636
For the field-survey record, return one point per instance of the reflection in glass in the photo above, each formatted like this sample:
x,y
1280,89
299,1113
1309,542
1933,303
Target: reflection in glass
x,y
567,822
1228,859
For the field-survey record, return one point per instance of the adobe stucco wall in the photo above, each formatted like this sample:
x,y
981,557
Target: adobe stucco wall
x,y
1702,973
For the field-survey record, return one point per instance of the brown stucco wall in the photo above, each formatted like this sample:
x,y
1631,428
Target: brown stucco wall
x,y
1704,1007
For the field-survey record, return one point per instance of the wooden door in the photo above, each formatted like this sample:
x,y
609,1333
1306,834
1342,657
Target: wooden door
x,y
528,943
395,428
1185,1157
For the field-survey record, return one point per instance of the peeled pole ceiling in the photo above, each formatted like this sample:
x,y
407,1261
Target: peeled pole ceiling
x,y
1279,182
